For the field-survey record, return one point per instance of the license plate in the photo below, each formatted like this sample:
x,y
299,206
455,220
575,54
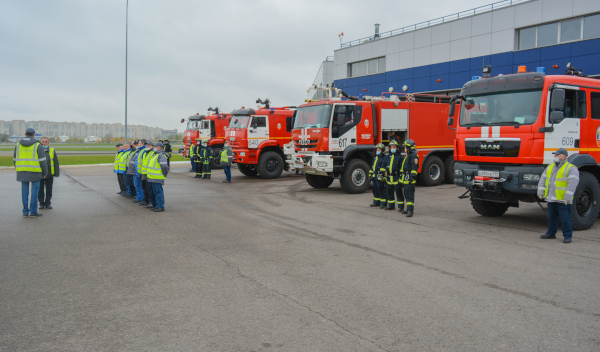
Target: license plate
x,y
489,173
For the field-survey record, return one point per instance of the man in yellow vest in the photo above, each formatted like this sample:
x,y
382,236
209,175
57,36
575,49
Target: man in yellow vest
x,y
48,181
31,166
157,171
120,151
557,185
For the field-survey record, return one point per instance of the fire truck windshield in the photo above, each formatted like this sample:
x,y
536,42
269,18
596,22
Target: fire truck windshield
x,y
313,116
239,121
192,125
506,108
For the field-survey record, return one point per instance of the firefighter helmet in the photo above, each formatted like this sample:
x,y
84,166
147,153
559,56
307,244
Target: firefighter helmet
x,y
410,145
393,143
380,146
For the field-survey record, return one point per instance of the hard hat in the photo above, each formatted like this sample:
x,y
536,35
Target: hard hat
x,y
380,146
410,144
393,143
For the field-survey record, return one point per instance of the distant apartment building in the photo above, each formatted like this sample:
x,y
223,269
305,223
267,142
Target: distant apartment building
x,y
81,129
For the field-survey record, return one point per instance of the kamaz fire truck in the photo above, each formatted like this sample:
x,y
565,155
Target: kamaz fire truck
x,y
334,138
207,127
257,138
510,125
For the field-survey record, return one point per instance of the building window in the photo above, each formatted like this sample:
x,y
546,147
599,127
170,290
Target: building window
x,y
368,67
591,27
560,32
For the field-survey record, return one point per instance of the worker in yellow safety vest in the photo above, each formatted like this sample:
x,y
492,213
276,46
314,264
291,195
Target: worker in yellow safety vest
x,y
31,166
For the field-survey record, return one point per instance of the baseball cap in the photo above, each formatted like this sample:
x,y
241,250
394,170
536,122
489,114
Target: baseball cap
x,y
562,151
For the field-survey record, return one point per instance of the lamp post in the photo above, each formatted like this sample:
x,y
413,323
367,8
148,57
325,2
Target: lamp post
x,y
126,33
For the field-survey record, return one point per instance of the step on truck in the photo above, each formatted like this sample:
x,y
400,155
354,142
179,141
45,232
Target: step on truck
x,y
211,128
257,138
508,128
335,137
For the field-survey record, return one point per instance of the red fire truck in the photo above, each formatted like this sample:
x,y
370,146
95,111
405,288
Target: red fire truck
x,y
334,138
508,128
257,138
207,127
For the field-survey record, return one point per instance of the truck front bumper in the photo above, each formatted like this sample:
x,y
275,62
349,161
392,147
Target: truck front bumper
x,y
498,178
245,156
311,163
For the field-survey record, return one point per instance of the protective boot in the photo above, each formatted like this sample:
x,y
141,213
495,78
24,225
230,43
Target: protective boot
x,y
374,205
409,214
401,210
404,211
382,206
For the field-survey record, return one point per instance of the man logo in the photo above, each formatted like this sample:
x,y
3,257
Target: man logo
x,y
490,146
367,123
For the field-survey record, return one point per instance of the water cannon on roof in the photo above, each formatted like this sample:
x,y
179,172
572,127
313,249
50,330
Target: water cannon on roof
x,y
266,102
572,71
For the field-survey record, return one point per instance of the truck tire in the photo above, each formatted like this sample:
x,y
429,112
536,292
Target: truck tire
x,y
248,170
432,172
316,181
355,178
216,160
449,166
270,165
490,209
586,202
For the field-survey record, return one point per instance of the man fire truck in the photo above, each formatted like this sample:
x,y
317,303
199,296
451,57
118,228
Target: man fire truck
x,y
257,138
334,138
510,125
207,127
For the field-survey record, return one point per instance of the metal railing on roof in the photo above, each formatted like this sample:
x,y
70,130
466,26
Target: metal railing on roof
x,y
329,58
453,17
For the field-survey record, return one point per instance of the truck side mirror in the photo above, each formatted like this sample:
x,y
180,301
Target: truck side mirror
x,y
558,99
450,121
556,116
451,110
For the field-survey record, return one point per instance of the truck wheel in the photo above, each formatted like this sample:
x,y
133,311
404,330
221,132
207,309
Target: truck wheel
x,y
270,165
316,181
355,178
449,166
432,172
248,170
586,202
215,163
490,209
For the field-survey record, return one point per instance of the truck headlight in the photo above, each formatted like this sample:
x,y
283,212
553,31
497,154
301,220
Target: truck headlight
x,y
531,177
458,172
321,163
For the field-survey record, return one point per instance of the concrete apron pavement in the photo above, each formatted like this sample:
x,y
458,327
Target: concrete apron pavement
x,y
260,265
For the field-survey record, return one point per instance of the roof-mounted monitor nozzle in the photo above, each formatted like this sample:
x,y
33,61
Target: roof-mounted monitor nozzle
x,y
215,110
572,71
266,102
487,70
376,30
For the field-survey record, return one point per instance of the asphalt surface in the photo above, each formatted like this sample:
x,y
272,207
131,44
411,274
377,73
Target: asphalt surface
x,y
274,265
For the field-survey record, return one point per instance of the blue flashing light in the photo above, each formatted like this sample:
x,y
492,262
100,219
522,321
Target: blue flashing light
x,y
360,96
540,69
475,78
272,109
218,115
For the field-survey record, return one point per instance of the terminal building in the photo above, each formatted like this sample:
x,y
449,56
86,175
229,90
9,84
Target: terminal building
x,y
440,55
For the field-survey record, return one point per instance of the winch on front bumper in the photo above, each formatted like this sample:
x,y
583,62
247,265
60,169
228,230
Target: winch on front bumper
x,y
311,163
499,182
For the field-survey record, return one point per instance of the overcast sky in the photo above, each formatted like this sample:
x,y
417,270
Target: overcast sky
x,y
64,60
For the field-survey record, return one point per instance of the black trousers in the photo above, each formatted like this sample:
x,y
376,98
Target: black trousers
x,y
409,194
121,182
391,201
206,169
198,169
146,194
45,197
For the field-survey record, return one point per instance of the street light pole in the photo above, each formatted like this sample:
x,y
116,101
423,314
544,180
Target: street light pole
x,y
126,34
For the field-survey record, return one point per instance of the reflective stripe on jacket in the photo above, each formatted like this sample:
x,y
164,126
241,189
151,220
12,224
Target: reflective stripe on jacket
x,y
27,158
51,160
123,161
117,160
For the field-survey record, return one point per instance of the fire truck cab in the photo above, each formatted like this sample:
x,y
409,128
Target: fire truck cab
x,y
334,138
508,128
212,129
257,138
190,134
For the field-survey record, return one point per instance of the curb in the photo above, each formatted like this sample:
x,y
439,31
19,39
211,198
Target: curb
x,y
86,165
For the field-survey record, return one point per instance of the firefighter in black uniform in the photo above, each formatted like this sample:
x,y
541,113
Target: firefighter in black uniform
x,y
409,176
168,150
197,159
206,156
391,169
377,178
